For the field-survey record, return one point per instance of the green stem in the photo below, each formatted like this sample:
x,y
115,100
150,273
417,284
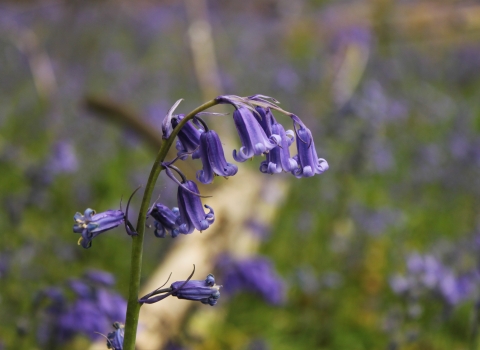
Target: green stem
x,y
133,306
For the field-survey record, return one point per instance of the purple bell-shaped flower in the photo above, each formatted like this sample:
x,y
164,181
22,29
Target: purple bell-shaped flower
x,y
90,225
254,140
308,162
213,158
278,159
192,215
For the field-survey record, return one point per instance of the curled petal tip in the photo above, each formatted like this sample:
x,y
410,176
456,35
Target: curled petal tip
x,y
167,121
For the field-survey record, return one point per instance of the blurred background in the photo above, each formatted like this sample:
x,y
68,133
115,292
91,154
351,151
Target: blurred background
x,y
379,252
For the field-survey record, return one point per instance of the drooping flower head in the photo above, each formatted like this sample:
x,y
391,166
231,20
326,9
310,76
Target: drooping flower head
x,y
91,224
308,162
254,142
166,220
278,159
213,158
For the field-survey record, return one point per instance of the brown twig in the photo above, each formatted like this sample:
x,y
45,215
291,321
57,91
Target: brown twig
x,y
118,113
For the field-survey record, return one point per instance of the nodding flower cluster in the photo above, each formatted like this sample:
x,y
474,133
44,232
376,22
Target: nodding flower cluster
x,y
259,133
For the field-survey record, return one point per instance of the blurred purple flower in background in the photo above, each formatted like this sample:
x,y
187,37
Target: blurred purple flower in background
x,y
255,274
376,221
91,312
427,274
63,159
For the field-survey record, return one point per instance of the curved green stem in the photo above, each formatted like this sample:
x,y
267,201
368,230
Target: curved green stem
x,y
133,306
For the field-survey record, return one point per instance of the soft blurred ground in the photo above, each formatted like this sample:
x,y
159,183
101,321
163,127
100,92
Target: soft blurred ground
x,y
389,89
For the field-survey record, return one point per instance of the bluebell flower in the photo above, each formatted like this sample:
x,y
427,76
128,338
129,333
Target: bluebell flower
x,y
192,215
278,159
115,338
188,139
253,138
206,291
308,162
255,274
213,158
166,220
90,225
